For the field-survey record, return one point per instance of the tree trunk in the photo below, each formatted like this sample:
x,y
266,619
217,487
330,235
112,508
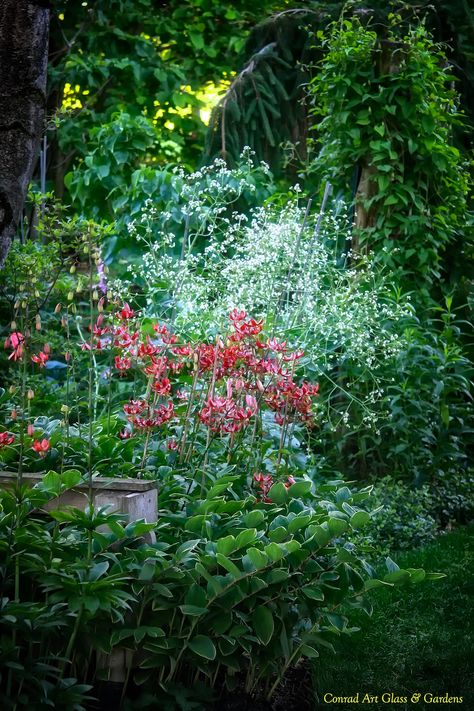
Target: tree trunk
x,y
24,26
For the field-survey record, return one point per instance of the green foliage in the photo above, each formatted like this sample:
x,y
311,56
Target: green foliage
x,y
122,56
408,517
387,107
225,597
264,108
425,433
61,590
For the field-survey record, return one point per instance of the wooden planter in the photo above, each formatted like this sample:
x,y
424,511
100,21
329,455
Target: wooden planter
x,y
137,498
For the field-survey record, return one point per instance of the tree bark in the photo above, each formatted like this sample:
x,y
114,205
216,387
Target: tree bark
x,y
24,26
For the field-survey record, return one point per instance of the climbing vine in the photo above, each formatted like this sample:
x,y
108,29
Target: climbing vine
x,y
384,107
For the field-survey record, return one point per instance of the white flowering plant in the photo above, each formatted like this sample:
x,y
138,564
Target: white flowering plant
x,y
287,264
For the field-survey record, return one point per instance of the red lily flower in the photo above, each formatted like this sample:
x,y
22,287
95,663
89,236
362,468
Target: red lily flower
x,y
15,340
41,358
6,438
125,313
41,446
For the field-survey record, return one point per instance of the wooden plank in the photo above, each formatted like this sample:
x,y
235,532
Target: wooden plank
x,y
100,482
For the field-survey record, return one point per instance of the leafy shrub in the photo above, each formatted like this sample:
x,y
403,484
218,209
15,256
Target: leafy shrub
x,y
407,517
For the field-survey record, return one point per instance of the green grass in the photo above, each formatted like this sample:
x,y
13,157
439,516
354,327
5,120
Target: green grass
x,y
417,640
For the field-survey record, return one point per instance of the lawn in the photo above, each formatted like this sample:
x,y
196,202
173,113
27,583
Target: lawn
x,y
417,640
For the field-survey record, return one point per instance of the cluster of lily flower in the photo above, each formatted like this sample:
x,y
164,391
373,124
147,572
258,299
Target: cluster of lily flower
x,y
239,375
232,379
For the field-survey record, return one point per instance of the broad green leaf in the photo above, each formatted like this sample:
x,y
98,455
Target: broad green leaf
x,y
298,522
336,526
187,546
71,478
228,565
203,647
52,482
278,493
195,523
254,518
435,576
274,552
262,620
397,577
359,519
375,583
309,652
226,545
299,489
313,593
245,537
417,575
98,570
193,610
278,534
322,535
258,559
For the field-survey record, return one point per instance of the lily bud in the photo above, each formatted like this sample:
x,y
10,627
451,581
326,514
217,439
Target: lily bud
x,y
72,269
30,394
57,308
